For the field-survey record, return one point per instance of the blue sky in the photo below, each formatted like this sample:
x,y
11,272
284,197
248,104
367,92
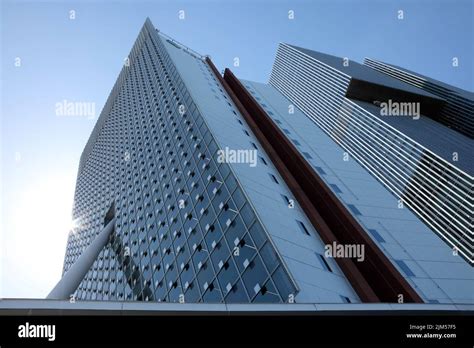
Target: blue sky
x,y
79,59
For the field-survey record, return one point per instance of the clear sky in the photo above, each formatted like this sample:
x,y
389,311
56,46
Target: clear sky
x,y
79,59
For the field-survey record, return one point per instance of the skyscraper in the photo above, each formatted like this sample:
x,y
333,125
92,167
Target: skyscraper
x,y
195,187
423,162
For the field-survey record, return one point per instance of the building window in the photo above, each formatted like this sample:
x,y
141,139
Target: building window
x,y
345,299
273,178
307,155
405,268
376,235
354,210
320,170
323,262
302,227
335,188
285,199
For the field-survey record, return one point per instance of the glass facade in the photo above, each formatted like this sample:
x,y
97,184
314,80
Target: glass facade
x,y
185,230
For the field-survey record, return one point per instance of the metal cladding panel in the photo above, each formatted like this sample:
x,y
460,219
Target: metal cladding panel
x,y
301,252
398,232
403,165
374,277
458,112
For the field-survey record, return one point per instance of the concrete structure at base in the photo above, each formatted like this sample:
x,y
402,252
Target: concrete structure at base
x,y
73,277
40,307
190,227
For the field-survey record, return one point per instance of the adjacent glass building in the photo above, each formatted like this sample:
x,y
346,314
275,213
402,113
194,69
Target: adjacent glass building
x,y
189,227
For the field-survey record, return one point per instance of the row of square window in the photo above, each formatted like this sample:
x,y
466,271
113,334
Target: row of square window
x,y
223,267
